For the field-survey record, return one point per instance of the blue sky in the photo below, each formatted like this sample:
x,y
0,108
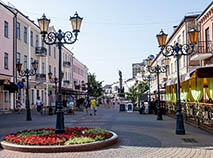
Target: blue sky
x,y
114,33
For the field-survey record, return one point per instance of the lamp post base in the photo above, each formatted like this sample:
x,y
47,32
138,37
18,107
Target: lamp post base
x,y
159,118
59,121
29,115
179,124
159,115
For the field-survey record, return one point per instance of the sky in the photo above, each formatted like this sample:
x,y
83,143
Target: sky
x,y
114,33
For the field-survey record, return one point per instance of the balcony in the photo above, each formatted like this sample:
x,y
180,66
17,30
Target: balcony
x,y
40,77
66,82
41,51
66,64
202,51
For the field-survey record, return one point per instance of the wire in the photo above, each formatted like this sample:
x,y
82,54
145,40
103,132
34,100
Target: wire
x,y
109,23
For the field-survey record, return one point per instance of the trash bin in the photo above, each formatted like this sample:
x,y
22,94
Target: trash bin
x,y
129,107
122,107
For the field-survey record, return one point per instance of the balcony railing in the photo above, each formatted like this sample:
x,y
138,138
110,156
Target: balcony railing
x,y
198,114
41,51
66,82
203,50
66,63
41,77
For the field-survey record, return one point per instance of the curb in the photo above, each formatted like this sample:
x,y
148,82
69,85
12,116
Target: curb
x,y
65,148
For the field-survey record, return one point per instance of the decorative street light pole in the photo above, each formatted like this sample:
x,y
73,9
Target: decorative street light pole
x,y
27,73
60,38
148,78
55,80
177,50
157,69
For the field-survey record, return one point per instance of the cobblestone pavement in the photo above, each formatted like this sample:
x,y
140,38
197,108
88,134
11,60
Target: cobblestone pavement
x,y
140,136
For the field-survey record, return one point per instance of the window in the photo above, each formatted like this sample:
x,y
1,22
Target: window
x,y
178,39
37,41
25,62
6,60
37,94
31,38
54,71
6,33
50,68
49,50
65,57
25,34
207,40
18,57
18,31
54,52
43,70
31,63
171,68
32,96
168,70
183,37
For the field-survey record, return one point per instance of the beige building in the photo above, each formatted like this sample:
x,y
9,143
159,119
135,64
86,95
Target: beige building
x,y
67,57
180,35
29,49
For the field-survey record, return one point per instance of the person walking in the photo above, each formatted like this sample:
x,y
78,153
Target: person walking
x,y
86,106
18,105
39,105
93,106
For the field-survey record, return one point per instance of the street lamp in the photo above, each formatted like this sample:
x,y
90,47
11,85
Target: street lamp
x,y
54,80
27,73
60,38
148,78
177,50
156,69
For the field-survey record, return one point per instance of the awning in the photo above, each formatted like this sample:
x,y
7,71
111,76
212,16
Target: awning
x,y
12,87
203,72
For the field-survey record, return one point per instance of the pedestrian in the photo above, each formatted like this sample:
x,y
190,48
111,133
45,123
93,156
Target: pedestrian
x,y
86,106
39,105
93,106
142,109
51,101
18,105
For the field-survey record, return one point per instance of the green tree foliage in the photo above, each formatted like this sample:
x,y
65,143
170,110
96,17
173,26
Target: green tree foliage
x,y
95,88
136,91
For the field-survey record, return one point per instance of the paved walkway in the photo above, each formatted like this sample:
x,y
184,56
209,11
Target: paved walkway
x,y
139,135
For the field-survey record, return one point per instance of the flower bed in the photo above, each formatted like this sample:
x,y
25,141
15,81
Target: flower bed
x,y
48,137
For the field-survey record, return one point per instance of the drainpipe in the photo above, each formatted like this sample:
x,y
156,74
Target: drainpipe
x,y
14,56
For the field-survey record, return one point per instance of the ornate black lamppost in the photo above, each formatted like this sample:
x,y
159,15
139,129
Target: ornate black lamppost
x,y
27,73
157,69
148,78
59,38
177,50
54,80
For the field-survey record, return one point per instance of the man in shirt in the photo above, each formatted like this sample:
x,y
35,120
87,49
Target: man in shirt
x,y
93,106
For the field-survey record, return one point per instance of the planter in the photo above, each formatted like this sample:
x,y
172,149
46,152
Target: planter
x,y
61,148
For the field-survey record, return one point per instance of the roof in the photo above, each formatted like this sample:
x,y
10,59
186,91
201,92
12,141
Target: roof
x,y
185,19
107,86
205,10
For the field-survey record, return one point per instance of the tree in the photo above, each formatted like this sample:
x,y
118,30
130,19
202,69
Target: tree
x,y
95,88
136,90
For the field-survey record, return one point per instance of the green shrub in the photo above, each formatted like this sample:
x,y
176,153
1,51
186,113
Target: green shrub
x,y
79,140
37,132
95,131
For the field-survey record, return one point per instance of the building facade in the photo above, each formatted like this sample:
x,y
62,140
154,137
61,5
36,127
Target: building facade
x,y
6,54
137,68
80,76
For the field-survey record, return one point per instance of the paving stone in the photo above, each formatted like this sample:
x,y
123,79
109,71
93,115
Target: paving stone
x,y
140,136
